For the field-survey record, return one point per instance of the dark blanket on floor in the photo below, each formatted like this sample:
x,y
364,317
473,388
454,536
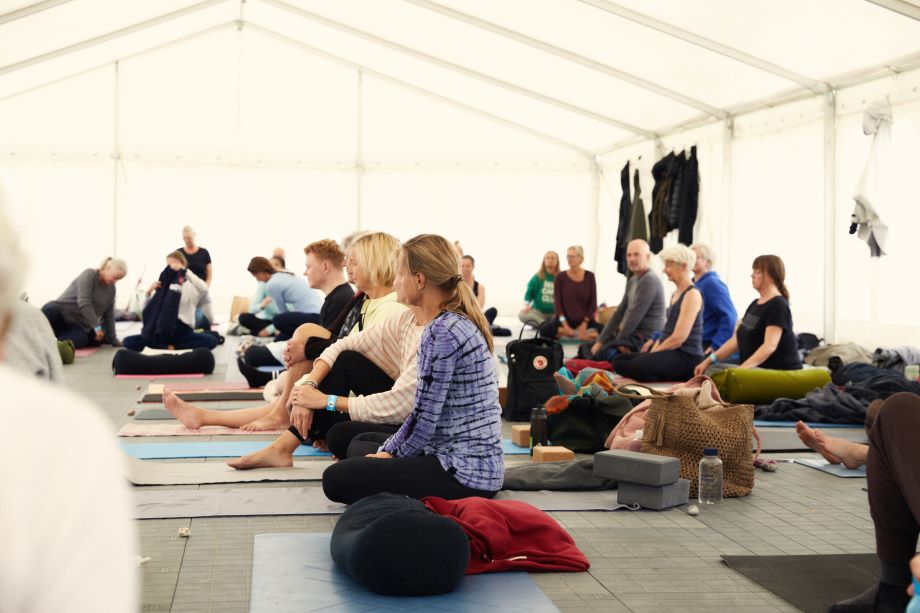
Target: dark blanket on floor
x,y
833,404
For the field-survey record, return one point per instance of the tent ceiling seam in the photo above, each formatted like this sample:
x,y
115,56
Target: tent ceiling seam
x,y
815,86
899,6
96,40
416,88
30,10
156,47
570,56
572,108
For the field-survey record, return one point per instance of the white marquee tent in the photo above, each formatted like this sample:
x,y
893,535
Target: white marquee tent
x,y
501,123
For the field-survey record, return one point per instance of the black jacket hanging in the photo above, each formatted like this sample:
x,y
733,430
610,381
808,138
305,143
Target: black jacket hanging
x,y
689,199
619,251
658,216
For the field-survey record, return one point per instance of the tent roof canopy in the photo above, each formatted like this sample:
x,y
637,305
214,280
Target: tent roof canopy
x,y
588,74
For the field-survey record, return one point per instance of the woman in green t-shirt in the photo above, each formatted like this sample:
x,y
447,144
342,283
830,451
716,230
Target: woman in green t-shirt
x,y
538,300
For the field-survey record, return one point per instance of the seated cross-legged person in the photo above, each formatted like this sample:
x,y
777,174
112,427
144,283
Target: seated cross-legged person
x,y
169,315
539,298
673,356
85,312
324,272
371,267
450,444
640,314
296,303
377,365
765,337
575,301
719,314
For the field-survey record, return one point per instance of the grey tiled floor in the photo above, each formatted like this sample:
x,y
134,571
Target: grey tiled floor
x,y
640,561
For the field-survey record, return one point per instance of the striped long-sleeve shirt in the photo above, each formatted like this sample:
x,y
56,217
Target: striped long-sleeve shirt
x,y
456,416
393,346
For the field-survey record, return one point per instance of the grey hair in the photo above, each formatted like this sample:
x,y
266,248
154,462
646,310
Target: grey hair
x,y
705,251
578,249
189,229
12,262
117,263
679,254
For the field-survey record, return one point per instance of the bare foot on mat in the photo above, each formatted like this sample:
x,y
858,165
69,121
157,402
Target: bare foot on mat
x,y
185,412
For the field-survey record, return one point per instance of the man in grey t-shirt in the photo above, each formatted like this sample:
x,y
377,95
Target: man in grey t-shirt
x,y
639,315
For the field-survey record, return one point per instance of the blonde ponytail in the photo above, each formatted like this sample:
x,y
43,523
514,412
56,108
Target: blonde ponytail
x,y
436,258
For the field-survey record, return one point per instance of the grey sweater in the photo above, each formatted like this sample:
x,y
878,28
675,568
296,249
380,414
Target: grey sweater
x,y
86,301
640,312
30,344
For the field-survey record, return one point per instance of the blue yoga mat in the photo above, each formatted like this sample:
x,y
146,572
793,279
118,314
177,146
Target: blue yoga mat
x,y
211,449
234,449
270,369
838,470
763,423
294,573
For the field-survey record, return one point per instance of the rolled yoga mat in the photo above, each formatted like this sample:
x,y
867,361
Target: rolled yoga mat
x,y
294,573
149,472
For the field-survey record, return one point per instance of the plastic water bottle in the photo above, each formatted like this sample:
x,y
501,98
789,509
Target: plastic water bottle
x,y
539,435
914,605
710,490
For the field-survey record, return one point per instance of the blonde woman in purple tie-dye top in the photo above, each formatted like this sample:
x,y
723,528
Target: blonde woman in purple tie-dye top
x,y
450,445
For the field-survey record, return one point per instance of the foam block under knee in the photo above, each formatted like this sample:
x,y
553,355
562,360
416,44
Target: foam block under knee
x,y
651,497
394,545
636,467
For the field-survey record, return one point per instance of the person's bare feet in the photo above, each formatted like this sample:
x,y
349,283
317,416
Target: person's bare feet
x,y
852,455
834,450
270,457
185,412
277,419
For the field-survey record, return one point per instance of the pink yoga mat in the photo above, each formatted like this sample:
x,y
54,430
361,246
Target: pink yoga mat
x,y
188,376
85,352
135,429
210,386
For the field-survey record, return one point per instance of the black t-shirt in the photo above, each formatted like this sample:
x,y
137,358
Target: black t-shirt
x,y
198,262
336,301
773,312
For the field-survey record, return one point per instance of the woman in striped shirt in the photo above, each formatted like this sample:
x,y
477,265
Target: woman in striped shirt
x,y
450,444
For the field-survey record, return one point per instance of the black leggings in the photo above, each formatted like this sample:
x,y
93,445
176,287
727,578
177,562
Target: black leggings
x,y
551,328
352,372
350,480
668,365
254,324
348,439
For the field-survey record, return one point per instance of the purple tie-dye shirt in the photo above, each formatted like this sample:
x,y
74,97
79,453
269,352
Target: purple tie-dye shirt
x,y
456,415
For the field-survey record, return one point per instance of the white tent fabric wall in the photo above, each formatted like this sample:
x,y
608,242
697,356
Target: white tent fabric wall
x,y
501,124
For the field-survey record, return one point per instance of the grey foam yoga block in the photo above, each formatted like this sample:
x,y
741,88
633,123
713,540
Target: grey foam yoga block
x,y
635,467
652,497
